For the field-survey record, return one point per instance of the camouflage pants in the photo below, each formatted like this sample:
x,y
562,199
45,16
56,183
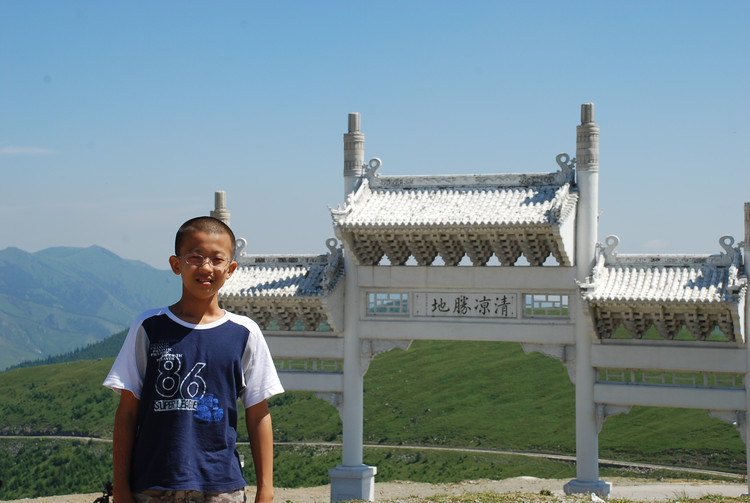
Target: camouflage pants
x,y
237,496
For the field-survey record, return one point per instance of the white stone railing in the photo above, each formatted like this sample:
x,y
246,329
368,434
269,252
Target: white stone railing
x,y
658,378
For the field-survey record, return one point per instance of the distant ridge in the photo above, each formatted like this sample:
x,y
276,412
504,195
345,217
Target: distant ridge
x,y
59,299
106,348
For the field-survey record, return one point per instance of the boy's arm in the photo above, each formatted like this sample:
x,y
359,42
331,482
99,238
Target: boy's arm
x,y
260,430
123,439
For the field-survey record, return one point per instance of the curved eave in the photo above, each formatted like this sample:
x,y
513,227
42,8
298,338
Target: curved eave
x,y
665,307
665,280
453,208
668,292
286,312
260,295
535,242
446,227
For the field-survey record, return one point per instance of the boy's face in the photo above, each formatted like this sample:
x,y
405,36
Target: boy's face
x,y
204,280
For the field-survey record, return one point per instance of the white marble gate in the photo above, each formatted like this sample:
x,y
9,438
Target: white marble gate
x,y
439,257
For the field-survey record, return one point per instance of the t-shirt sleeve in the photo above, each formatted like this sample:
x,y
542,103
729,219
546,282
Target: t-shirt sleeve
x,y
261,380
129,368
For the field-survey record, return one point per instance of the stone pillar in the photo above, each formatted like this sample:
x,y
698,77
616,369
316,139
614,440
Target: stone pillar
x,y
746,328
352,480
220,202
587,439
354,155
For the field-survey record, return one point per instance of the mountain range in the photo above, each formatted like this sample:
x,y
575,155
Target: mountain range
x,y
59,299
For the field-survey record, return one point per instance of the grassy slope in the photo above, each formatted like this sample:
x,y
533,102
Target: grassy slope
x,y
475,395
105,348
62,399
487,395
492,395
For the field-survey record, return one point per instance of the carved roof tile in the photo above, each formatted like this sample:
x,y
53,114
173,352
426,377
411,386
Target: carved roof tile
x,y
454,206
456,215
666,278
300,276
668,292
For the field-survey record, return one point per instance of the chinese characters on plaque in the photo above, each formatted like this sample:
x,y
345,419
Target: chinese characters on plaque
x,y
466,305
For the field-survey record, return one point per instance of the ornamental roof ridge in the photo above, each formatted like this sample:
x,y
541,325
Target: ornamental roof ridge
x,y
731,256
667,278
275,260
287,275
511,206
483,181
447,182
564,203
243,259
340,212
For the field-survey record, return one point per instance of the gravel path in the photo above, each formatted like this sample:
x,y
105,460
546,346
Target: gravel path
x,y
632,489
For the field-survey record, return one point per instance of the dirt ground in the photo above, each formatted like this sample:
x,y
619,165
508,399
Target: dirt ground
x,y
635,490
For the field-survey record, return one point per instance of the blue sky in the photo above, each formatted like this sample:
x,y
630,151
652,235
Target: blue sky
x,y
119,120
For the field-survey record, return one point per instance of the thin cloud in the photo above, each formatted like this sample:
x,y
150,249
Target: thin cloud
x,y
13,150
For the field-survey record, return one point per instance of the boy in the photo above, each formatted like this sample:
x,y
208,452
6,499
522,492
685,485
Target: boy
x,y
179,375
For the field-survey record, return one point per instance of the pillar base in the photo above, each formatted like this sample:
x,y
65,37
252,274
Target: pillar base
x,y
353,483
599,487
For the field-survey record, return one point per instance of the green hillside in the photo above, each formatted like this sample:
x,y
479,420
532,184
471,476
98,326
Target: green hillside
x,y
493,395
60,399
464,394
59,299
106,348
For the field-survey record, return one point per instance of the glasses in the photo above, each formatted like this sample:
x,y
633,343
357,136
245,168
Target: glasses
x,y
199,260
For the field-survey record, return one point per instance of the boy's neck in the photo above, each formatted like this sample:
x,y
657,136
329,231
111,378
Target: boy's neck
x,y
197,313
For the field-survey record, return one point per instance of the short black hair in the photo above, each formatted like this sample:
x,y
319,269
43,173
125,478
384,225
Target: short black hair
x,y
210,225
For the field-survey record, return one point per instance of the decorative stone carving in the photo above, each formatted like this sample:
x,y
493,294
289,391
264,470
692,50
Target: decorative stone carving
x,y
220,210
372,167
396,249
450,249
587,141
422,247
240,245
370,348
605,411
567,168
535,248
565,354
736,418
336,399
478,247
506,249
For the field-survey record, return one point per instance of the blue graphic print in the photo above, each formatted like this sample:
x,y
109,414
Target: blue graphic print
x,y
208,409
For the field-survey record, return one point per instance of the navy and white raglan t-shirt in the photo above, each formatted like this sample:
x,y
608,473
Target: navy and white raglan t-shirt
x,y
188,378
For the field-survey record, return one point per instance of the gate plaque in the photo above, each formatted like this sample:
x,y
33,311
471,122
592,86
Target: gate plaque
x,y
466,305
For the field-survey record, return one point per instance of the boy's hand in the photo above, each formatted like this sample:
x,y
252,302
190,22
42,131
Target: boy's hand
x,y
264,495
123,496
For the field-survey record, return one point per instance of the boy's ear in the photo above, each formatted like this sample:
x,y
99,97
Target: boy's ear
x,y
232,267
174,263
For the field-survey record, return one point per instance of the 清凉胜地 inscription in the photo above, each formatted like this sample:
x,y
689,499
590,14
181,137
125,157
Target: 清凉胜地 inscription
x,y
466,305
